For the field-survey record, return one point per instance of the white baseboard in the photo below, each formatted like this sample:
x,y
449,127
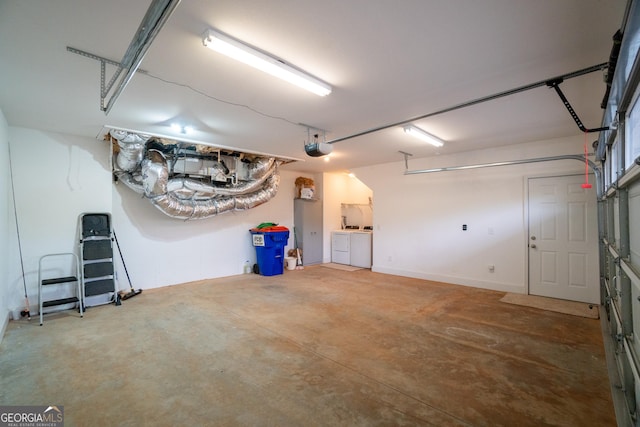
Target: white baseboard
x,y
474,283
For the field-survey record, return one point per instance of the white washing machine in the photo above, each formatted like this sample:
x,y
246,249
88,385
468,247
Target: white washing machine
x,y
360,249
340,247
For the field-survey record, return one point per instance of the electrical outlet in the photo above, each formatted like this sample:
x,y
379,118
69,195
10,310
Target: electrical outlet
x,y
492,268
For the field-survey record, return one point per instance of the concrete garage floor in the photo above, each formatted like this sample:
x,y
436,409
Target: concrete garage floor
x,y
313,347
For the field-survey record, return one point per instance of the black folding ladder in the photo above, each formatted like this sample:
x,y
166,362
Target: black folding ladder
x,y
96,257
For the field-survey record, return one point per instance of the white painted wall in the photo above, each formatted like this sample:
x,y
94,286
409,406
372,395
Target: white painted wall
x,y
418,218
160,250
57,177
8,241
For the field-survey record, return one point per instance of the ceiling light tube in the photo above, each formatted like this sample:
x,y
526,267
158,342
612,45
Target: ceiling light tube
x,y
239,51
423,136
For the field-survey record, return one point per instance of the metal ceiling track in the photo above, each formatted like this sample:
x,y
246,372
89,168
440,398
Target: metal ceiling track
x,y
542,83
157,15
596,170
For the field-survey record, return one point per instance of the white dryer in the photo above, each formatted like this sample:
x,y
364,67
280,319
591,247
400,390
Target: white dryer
x,y
341,247
360,249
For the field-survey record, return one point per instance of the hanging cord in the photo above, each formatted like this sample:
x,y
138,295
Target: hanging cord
x,y
586,164
26,311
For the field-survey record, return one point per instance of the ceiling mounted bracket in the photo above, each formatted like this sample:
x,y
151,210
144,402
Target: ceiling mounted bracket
x,y
406,159
156,16
313,146
555,84
103,65
313,132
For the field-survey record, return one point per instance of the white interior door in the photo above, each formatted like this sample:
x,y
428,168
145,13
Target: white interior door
x,y
563,239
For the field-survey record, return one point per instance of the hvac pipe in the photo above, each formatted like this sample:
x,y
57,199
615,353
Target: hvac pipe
x,y
158,188
542,83
594,168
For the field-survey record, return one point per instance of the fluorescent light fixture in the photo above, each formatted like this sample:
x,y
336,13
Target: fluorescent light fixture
x,y
239,51
422,135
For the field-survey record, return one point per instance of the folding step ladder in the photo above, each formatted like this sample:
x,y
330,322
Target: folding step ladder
x,y
59,285
96,256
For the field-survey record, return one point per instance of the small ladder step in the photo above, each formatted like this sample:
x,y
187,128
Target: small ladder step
x,y
61,301
68,289
59,280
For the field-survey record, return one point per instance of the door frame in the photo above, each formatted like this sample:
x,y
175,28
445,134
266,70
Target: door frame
x,y
526,235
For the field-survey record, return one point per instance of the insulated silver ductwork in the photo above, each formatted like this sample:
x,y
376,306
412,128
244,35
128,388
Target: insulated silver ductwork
x,y
131,149
186,182
133,182
189,186
155,174
260,169
171,205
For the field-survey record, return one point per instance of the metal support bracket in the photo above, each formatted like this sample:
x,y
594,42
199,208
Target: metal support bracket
x,y
406,159
104,87
555,84
156,16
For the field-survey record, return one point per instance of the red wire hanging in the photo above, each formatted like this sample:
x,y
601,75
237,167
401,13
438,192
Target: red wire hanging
x,y
586,164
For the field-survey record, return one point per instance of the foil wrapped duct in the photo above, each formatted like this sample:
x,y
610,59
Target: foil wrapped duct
x,y
261,168
174,207
147,171
186,188
131,149
155,174
134,182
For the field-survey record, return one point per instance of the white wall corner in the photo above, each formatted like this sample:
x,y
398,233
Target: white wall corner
x,y
4,322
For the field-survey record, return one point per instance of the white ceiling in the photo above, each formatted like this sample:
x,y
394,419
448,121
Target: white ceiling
x,y
387,60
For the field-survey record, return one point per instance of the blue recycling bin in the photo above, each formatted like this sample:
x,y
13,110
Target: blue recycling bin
x,y
270,250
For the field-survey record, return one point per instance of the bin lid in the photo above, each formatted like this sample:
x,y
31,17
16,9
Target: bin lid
x,y
269,229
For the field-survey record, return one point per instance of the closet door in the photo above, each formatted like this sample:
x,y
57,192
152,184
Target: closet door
x,y
308,227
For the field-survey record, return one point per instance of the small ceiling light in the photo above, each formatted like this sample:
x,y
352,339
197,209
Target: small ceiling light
x,y
422,135
239,51
177,127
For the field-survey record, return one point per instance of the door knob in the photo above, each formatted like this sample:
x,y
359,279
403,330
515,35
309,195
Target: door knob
x,y
533,237
533,246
